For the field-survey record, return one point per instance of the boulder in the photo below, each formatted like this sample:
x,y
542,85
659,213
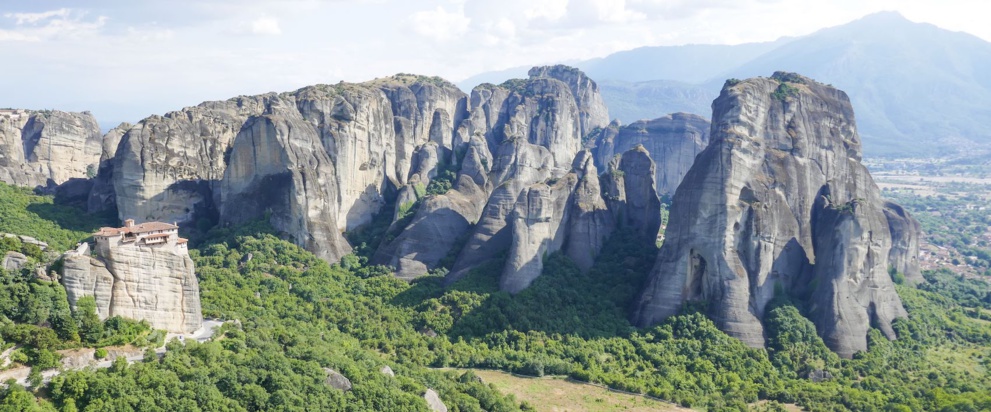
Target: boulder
x,y
14,261
336,380
433,401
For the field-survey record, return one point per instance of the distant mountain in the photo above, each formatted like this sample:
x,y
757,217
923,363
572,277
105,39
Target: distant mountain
x,y
917,89
693,63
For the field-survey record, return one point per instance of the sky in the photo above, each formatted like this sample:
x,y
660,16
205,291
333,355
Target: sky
x,y
124,60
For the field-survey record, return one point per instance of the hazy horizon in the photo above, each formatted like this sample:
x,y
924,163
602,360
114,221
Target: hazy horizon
x,y
124,62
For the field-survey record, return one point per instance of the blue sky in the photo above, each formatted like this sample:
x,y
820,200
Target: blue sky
x,y
124,60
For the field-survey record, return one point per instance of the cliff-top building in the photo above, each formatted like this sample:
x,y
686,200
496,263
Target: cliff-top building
x,y
138,271
144,234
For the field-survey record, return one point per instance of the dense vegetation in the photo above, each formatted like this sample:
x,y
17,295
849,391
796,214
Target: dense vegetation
x,y
297,315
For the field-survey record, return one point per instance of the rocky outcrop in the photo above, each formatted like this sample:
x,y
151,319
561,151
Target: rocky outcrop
x,y
14,261
47,148
440,220
673,142
590,223
102,196
155,283
592,111
905,234
336,380
534,128
433,401
278,168
778,201
539,222
166,167
630,194
171,167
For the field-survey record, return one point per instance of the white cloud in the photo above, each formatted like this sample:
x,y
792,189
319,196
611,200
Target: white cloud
x,y
266,26
32,18
49,25
439,24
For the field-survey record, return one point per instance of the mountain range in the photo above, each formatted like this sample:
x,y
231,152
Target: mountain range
x,y
919,90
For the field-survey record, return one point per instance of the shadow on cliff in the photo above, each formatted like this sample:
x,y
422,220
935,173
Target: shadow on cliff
x,y
563,300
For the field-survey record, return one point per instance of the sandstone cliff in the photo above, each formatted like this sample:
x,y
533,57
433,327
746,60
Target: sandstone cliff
x,y
905,233
523,132
278,167
153,283
779,200
630,193
672,141
172,167
46,148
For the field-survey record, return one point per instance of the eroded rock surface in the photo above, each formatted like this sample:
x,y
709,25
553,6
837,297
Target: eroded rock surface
x,y
523,132
745,221
279,169
47,148
905,233
673,142
138,281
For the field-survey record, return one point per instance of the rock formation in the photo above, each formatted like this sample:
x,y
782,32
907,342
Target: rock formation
x,y
47,148
433,401
172,167
630,193
778,201
523,132
905,233
336,380
673,142
278,167
13,261
141,272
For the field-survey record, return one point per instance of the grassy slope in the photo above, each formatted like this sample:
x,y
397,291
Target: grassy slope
x,y
24,213
554,394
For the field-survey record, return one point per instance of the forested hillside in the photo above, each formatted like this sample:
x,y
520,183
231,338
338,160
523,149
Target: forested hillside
x,y
295,314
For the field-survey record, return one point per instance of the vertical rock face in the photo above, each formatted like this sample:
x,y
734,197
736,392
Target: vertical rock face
x,y
166,167
102,195
534,128
171,167
539,222
905,233
43,148
592,110
630,193
278,168
591,222
745,220
673,142
132,279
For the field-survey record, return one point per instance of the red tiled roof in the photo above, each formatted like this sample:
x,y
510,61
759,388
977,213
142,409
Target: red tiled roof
x,y
141,228
182,240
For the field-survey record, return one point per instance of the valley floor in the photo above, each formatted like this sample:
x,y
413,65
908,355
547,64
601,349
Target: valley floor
x,y
558,394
